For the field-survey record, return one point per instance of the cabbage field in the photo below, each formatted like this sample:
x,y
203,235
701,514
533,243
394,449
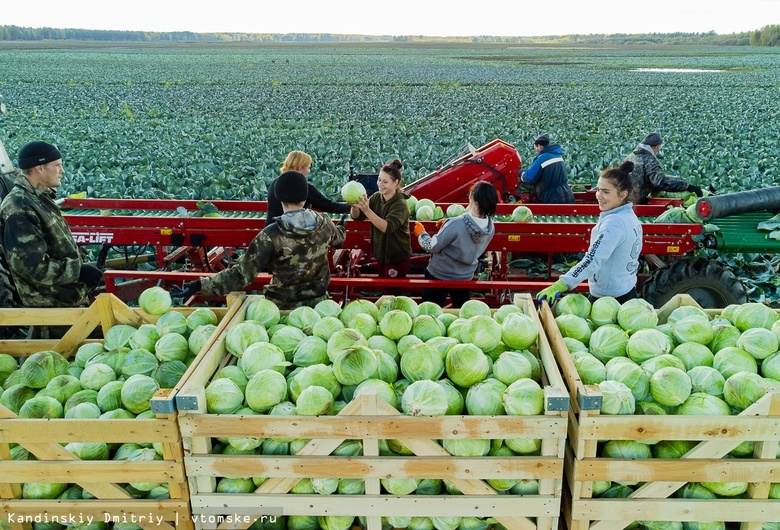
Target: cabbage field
x,y
216,121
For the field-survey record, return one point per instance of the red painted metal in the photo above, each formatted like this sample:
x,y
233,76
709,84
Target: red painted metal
x,y
496,162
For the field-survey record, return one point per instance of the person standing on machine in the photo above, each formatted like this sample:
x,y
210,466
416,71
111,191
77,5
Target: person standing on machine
x,y
548,173
301,162
648,176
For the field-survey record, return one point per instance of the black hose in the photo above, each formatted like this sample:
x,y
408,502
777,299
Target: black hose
x,y
718,206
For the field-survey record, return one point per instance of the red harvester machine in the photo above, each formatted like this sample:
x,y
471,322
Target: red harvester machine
x,y
184,246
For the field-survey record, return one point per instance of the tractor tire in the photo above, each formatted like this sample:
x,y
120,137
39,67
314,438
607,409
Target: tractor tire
x,y
712,284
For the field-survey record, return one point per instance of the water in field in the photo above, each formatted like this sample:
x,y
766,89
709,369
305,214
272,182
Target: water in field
x,y
677,70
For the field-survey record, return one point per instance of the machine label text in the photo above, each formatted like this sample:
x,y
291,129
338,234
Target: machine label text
x,y
87,238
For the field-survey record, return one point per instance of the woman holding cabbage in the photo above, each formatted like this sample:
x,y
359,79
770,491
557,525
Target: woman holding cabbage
x,y
388,213
610,265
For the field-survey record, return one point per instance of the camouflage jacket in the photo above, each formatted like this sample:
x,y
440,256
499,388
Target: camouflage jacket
x,y
295,251
38,246
648,176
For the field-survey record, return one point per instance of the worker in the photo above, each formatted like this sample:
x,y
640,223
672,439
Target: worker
x,y
294,249
548,173
610,265
388,212
458,245
301,162
45,264
648,176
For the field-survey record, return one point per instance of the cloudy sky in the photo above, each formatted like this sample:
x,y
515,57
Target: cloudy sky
x,y
399,17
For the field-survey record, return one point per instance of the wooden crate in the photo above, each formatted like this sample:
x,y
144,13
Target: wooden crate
x,y
653,501
370,419
45,438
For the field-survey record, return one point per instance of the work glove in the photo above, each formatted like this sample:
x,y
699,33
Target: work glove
x,y
418,229
552,293
186,291
342,221
441,222
695,189
90,275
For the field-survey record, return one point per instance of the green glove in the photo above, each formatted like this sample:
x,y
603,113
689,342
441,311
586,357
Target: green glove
x,y
552,293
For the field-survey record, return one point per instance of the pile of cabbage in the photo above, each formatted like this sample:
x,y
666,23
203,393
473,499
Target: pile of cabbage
x,y
110,379
418,358
426,209
690,365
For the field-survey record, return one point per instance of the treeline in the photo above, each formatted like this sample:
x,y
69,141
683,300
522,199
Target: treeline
x,y
766,36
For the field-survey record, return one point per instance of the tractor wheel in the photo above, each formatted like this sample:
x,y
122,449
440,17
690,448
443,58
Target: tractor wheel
x,y
712,284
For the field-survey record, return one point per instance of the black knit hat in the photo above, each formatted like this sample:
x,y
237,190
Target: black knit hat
x,y
653,139
542,139
291,187
36,154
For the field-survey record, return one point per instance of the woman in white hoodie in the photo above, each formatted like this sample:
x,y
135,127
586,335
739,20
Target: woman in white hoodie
x,y
610,265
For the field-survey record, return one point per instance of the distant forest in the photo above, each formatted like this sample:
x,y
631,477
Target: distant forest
x,y
766,36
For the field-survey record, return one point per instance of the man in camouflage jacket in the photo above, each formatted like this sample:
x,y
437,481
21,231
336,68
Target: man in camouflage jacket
x,y
647,174
37,244
294,249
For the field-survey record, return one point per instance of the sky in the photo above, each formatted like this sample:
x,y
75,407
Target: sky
x,y
399,17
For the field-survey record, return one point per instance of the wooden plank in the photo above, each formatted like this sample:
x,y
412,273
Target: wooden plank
x,y
207,366
485,427
737,428
499,506
97,471
29,316
373,486
24,431
704,510
687,470
419,467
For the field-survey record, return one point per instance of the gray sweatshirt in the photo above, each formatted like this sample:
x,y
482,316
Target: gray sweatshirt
x,y
456,248
612,260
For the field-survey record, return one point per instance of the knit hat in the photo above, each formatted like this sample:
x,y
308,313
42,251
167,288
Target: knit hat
x,y
291,187
653,139
542,139
36,154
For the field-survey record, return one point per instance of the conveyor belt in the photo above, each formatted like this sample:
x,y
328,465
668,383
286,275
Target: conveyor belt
x,y
158,213
740,233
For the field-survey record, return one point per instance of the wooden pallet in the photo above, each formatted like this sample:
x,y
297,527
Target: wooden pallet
x,y
44,438
653,501
370,419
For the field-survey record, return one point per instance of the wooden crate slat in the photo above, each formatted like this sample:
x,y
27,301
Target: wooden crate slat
x,y
505,506
24,431
375,467
97,470
492,427
676,510
670,470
